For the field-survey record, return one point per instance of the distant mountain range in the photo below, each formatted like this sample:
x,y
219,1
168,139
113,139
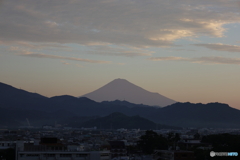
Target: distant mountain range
x,y
16,105
123,90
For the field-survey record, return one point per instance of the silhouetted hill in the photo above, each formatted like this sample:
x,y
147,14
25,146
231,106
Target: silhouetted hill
x,y
121,89
65,98
17,117
73,104
123,103
8,91
200,115
17,98
118,120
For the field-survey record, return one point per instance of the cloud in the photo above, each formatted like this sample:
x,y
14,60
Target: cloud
x,y
121,64
65,63
216,60
96,48
30,54
189,50
119,51
137,23
201,60
40,45
221,47
78,65
166,58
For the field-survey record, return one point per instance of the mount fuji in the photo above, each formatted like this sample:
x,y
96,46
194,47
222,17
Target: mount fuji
x,y
121,89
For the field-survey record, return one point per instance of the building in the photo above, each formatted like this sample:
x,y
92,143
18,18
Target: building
x,y
118,149
7,144
53,149
63,155
173,155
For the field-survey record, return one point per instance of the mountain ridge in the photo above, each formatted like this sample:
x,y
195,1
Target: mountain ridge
x,y
41,110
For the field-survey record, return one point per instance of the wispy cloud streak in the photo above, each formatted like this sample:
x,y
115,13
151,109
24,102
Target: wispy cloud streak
x,y
30,54
220,47
119,51
201,60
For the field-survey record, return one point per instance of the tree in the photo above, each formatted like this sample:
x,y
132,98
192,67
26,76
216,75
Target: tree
x,y
223,142
8,154
151,141
173,139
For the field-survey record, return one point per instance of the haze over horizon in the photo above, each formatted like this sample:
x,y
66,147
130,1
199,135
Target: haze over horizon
x,y
184,50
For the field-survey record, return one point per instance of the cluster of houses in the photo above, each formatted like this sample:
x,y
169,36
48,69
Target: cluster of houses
x,y
93,144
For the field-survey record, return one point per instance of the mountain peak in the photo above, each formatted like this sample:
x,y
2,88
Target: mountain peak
x,y
119,80
121,89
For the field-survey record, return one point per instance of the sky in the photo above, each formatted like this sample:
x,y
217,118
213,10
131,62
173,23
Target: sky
x,y
186,50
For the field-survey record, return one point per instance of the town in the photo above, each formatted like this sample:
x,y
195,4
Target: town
x,y
66,143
